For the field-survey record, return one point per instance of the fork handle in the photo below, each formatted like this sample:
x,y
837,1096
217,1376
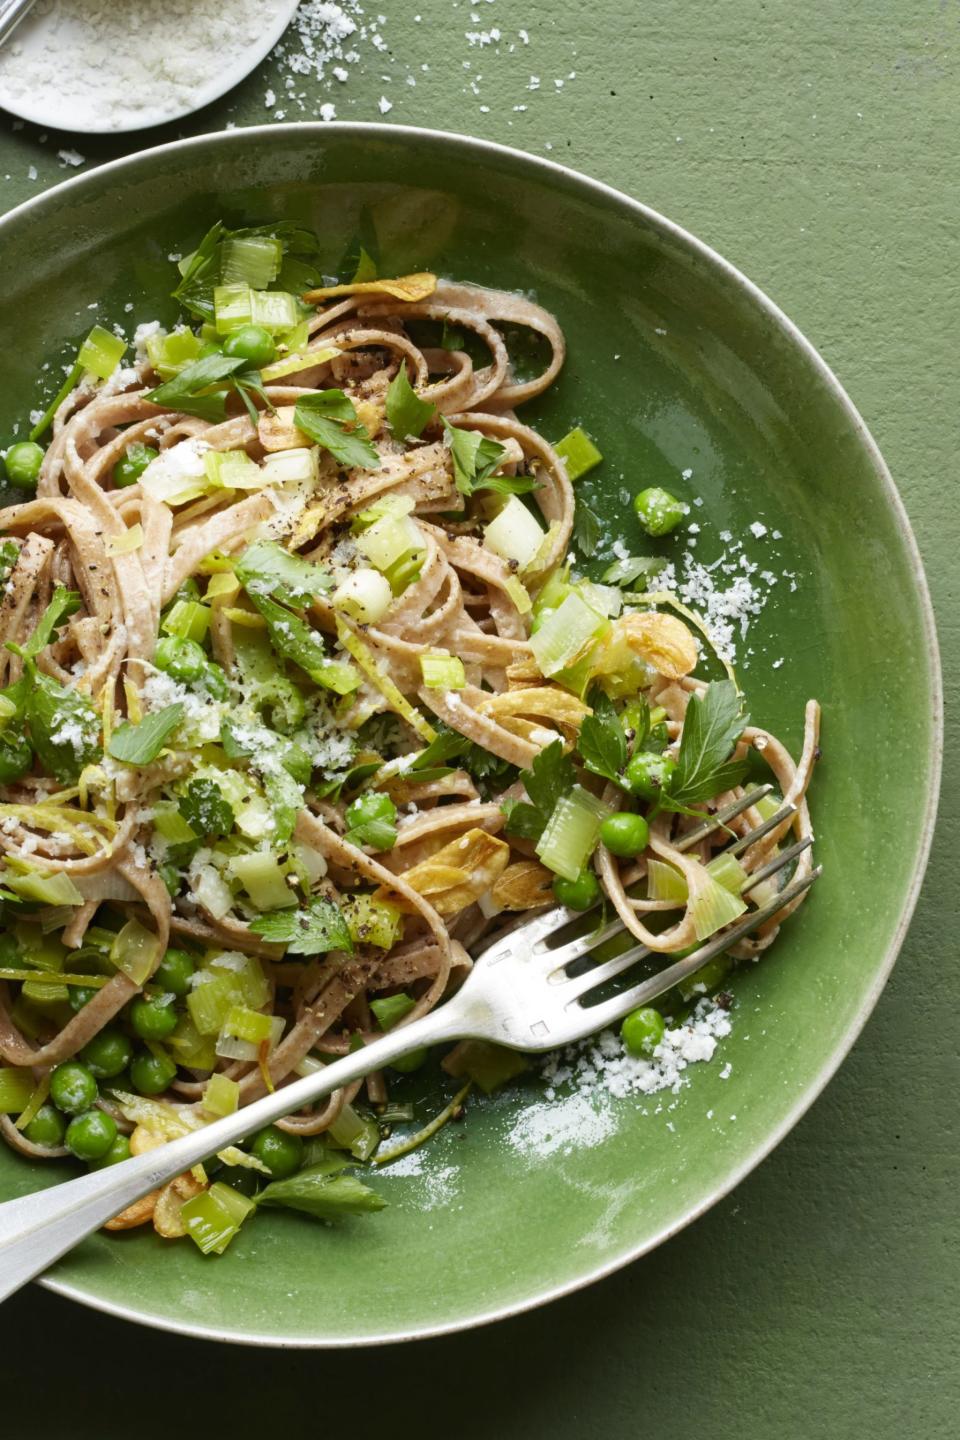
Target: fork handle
x,y
35,1230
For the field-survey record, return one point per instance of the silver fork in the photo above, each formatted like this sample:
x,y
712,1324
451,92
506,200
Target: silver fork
x,y
519,994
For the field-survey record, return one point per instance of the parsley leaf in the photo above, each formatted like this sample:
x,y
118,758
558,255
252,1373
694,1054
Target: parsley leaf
x,y
551,776
475,457
198,389
372,820
602,742
63,603
586,529
285,798
711,728
141,744
295,640
322,1195
491,773
206,809
64,728
265,568
323,416
407,414
314,930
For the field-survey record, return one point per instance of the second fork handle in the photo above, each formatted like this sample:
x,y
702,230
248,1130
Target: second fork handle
x,y
37,1229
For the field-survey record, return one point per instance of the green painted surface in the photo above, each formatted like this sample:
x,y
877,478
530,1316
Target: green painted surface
x,y
821,1298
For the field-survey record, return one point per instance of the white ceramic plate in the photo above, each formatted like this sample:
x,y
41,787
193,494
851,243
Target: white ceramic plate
x,y
45,105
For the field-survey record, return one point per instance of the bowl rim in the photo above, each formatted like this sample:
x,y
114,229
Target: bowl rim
x,y
678,235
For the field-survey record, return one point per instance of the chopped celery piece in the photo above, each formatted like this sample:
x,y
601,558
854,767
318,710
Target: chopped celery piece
x,y
44,888
192,1050
394,697
135,951
232,470
355,1133
665,882
16,1087
442,672
392,505
390,539
365,596
264,881
728,872
275,310
221,1096
246,973
712,906
214,1217
29,1112
171,353
370,921
404,571
252,260
564,633
284,467
250,1025
605,599
297,338
578,453
514,534
767,806
222,586
210,1002
187,619
126,542
488,1065
232,306
390,1009
570,835
301,360
101,352
519,595
170,824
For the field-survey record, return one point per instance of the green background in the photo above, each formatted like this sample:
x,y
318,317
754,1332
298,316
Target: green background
x,y
815,148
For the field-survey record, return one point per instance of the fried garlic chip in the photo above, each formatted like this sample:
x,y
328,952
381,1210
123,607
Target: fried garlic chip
x,y
170,1201
548,701
278,432
456,875
136,1214
662,641
404,287
523,886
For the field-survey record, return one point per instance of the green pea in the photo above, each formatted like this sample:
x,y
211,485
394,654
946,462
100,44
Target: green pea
x,y
579,894
642,1031
16,756
175,972
81,995
107,1053
281,1153
90,1135
184,659
22,462
406,1064
649,775
132,464
73,1087
658,511
153,1019
238,1177
215,682
119,1150
46,1127
251,343
151,1074
625,834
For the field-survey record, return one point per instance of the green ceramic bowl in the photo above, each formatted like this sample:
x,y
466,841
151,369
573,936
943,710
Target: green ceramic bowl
x,y
676,362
